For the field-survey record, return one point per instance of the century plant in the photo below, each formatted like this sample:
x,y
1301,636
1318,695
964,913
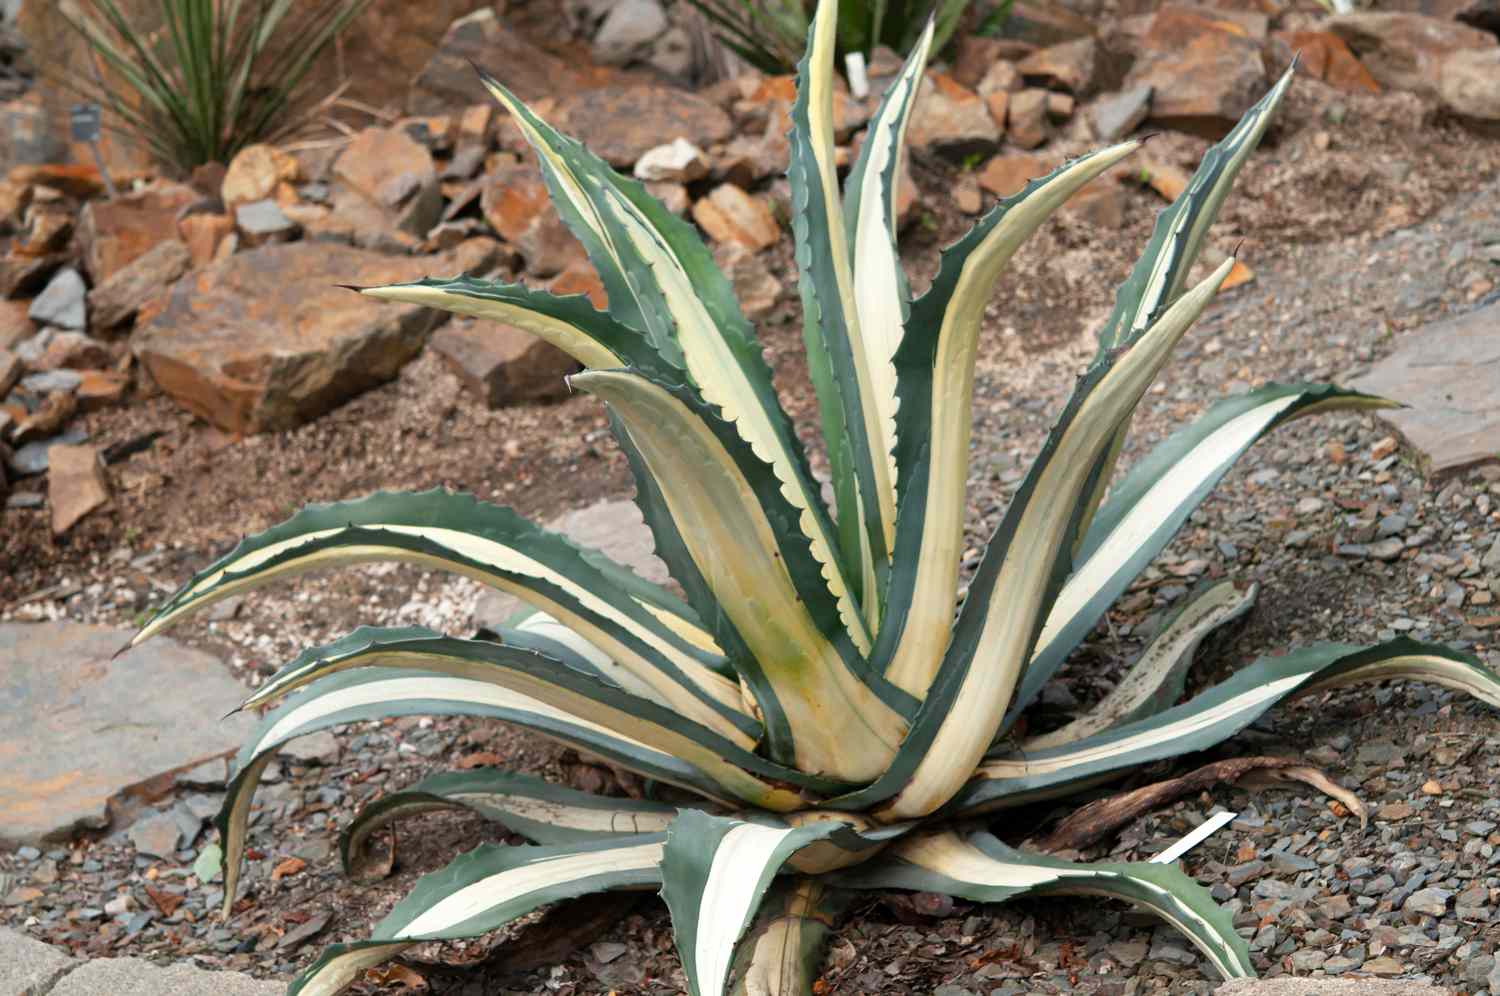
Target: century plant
x,y
821,711
217,75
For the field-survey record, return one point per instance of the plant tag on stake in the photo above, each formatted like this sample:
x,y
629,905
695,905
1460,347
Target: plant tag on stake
x,y
1192,840
83,120
859,80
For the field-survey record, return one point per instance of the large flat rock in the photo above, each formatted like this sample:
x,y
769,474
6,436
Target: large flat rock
x,y
1328,987
136,977
268,339
27,966
78,728
1448,372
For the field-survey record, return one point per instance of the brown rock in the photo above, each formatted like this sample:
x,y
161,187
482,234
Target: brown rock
x,y
477,124
730,215
1204,86
1164,178
254,174
395,174
1045,24
115,232
1005,175
1100,204
15,324
1060,106
353,220
1069,66
1470,84
47,420
516,204
80,181
202,233
622,122
1324,56
62,350
950,119
998,104
15,198
580,278
76,484
678,161
24,275
755,287
503,365
117,300
48,227
100,389
966,196
10,371
267,339
1406,51
977,55
1003,77
1026,118
1177,25
674,197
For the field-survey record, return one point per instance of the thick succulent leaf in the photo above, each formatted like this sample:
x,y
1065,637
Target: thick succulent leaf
x,y
1018,576
727,509
935,363
979,867
1156,680
782,953
1215,715
638,624
1152,502
531,807
367,693
714,873
484,889
570,323
666,284
854,395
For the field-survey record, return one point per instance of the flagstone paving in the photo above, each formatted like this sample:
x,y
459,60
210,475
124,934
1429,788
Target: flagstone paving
x,y
79,727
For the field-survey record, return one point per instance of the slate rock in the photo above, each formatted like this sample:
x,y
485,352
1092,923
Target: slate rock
x,y
628,30
63,303
155,835
1469,83
394,173
1289,986
321,747
138,977
1202,85
1431,902
116,232
1116,115
503,365
118,299
27,966
515,201
951,120
76,484
448,81
624,122
1406,51
263,222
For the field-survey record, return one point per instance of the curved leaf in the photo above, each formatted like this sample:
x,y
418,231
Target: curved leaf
x,y
782,953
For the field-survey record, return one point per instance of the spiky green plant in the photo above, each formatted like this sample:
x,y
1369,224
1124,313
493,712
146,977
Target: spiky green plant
x,y
217,75
840,716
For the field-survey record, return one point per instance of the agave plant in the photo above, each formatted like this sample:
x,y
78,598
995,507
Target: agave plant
x,y
836,716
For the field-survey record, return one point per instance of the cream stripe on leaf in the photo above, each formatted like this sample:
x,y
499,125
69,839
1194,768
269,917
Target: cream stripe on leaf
x,y
670,288
727,509
1017,578
1215,715
855,386
980,868
535,809
1155,681
782,955
605,603
1150,504
935,364
483,890
715,871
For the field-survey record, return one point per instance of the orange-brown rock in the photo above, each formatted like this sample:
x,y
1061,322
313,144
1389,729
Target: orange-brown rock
x,y
1166,179
622,122
516,204
1005,175
117,231
254,174
47,229
268,339
976,56
1202,86
999,108
1070,66
11,369
503,365
101,388
202,234
1100,204
23,275
394,173
15,324
1176,25
15,198
1043,24
951,119
78,180
580,277
1406,51
118,299
730,215
76,484
1026,118
1324,56
755,287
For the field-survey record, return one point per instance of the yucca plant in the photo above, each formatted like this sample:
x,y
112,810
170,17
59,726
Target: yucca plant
x,y
215,76
835,716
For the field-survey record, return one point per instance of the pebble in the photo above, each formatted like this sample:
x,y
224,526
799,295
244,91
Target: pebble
x,y
1432,902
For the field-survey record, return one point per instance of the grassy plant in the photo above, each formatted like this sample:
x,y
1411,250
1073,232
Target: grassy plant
x,y
823,712
215,76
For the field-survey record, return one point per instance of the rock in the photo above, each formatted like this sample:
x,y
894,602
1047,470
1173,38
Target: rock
x,y
100,389
1469,83
148,712
21,276
1101,204
675,53
47,230
1005,175
679,161
321,747
673,196
263,223
1002,77
1069,66
138,977
1175,25
614,528
1289,986
516,204
979,55
80,181
1430,902
15,327
623,122
730,215
1448,372
503,365
952,120
63,302
448,81
628,31
1406,51
10,371
203,233
1026,119
53,349
118,299
1044,25
580,277
1324,56
755,287
27,966
267,339
115,232
1116,115
255,174
1203,86
76,484
156,835
394,173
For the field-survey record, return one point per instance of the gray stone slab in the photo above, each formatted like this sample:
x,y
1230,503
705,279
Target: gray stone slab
x,y
1448,372
27,966
1328,987
615,528
135,977
78,728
